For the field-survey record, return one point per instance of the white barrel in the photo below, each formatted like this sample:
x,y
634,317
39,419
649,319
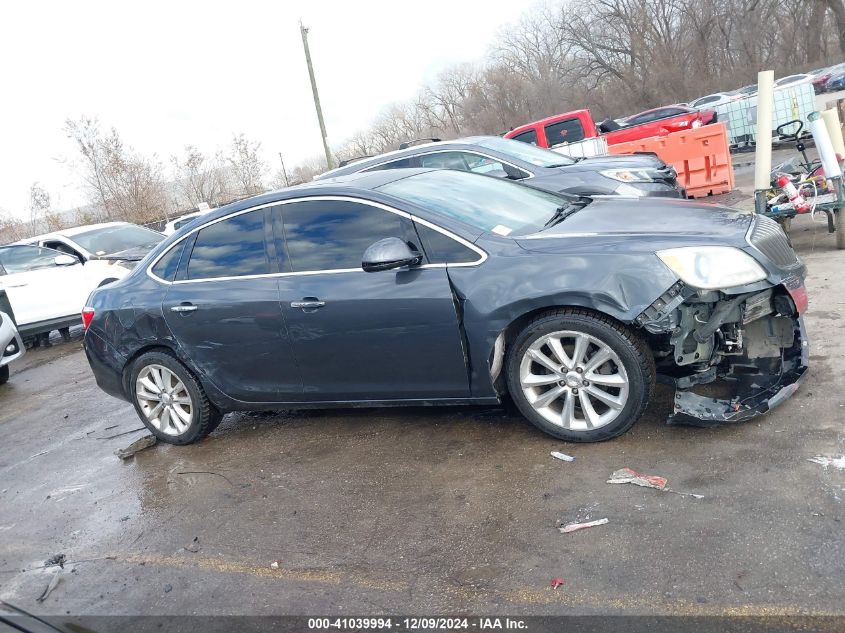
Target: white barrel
x,y
763,153
824,146
834,128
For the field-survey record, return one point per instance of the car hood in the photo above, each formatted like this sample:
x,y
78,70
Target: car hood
x,y
617,161
644,223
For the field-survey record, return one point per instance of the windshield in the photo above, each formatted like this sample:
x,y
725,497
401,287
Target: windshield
x,y
113,239
494,205
20,259
525,151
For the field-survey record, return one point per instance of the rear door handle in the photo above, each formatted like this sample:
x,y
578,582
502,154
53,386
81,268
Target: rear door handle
x,y
308,303
183,309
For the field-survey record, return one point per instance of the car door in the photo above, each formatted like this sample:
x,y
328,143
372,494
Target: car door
x,y
363,336
40,289
223,309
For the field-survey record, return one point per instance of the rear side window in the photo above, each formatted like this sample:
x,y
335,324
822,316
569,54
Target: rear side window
x,y
333,234
234,247
566,131
442,249
529,137
166,267
402,163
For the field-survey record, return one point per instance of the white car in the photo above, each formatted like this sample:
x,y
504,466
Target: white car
x,y
109,250
792,80
11,345
174,225
46,289
717,98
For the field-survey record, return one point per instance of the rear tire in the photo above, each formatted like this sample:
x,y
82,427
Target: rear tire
x,y
4,374
580,376
169,400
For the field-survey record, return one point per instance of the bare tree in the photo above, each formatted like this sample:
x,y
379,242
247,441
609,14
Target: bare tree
x,y
198,178
246,166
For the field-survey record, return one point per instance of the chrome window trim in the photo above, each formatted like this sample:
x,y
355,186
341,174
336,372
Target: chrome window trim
x,y
481,253
444,150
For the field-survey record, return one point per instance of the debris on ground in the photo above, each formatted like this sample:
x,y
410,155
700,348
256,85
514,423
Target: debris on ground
x,y
275,564
124,518
193,546
54,582
562,456
134,447
557,582
574,527
56,559
629,476
168,588
109,437
835,462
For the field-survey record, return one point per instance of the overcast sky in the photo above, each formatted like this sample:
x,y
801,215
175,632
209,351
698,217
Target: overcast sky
x,y
169,74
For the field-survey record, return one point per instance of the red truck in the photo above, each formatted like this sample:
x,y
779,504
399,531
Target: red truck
x,y
577,127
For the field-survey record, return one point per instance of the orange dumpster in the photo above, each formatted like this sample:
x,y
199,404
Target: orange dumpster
x,y
701,156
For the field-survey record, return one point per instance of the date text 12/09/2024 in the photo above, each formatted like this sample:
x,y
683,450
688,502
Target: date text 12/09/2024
x,y
415,624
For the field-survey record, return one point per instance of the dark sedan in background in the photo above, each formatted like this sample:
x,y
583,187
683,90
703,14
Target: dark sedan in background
x,y
440,287
621,174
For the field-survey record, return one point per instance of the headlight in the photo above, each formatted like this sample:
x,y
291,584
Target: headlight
x,y
631,175
712,267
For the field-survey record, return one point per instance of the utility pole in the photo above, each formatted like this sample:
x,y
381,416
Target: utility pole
x,y
284,171
304,32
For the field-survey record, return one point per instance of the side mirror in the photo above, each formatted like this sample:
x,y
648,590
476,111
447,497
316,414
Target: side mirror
x,y
389,253
65,260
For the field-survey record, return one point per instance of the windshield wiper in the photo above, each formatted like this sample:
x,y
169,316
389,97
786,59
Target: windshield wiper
x,y
563,212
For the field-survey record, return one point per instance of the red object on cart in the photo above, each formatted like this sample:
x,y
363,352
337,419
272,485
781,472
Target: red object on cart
x,y
798,203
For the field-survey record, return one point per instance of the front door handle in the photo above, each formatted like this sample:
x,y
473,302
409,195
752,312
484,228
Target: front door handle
x,y
308,303
184,309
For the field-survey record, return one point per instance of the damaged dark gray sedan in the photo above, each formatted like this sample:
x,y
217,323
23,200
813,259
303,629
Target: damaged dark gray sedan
x,y
409,287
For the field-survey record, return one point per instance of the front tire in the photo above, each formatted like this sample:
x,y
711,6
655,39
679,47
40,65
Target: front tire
x,y
580,376
4,374
169,400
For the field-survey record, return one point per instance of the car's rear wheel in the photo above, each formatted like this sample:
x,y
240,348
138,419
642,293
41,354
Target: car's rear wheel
x,y
580,376
4,374
169,399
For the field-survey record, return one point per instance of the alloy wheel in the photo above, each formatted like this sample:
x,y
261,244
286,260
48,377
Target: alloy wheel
x,y
574,380
164,399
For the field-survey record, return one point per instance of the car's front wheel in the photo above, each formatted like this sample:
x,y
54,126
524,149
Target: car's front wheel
x,y
580,376
169,399
4,374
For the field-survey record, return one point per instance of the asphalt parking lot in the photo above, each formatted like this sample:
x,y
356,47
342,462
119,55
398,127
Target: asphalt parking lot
x,y
441,510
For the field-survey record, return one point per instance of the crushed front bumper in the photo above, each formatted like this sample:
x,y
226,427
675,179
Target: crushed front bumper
x,y
755,393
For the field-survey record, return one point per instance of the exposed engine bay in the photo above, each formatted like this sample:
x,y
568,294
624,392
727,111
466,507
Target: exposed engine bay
x,y
751,345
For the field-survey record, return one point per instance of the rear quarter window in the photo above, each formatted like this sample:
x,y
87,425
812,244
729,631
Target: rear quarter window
x,y
167,266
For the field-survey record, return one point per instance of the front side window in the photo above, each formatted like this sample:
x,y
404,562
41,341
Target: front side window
x,y
21,259
566,131
499,206
326,235
442,249
234,247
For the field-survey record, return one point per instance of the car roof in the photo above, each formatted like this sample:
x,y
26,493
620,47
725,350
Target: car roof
x,y
358,165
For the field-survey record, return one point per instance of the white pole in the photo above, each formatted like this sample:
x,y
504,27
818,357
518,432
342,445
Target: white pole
x,y
765,105
834,129
824,146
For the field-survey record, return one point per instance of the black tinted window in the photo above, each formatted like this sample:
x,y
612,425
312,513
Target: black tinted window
x,y
230,248
527,137
567,131
167,265
442,249
402,163
333,234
